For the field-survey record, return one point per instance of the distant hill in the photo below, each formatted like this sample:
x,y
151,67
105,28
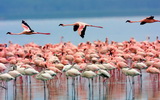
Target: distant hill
x,y
32,9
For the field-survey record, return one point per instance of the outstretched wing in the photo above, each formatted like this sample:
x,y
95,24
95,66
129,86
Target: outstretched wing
x,y
82,32
75,27
26,27
151,17
142,23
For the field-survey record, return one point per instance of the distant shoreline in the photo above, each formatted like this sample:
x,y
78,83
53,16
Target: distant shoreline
x,y
82,14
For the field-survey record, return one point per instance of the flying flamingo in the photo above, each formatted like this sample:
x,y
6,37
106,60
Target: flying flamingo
x,y
144,21
80,26
27,30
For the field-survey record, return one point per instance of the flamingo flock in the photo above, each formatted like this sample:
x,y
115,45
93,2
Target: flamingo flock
x,y
86,60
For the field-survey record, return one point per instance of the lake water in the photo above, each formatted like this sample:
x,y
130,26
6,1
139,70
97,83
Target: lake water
x,y
115,29
115,88
118,87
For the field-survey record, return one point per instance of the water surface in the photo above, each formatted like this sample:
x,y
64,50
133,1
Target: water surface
x,y
118,87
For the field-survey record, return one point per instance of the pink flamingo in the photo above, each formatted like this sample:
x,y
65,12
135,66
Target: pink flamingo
x,y
146,20
27,30
80,26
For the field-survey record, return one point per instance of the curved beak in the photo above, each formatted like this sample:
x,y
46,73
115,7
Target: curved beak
x,y
8,33
60,24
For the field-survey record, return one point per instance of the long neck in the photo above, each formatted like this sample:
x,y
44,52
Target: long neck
x,y
15,33
134,21
68,24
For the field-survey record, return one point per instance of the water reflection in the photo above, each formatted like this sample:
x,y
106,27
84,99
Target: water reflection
x,y
79,88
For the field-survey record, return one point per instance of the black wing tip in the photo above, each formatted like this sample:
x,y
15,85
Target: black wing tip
x,y
152,16
142,23
82,36
23,21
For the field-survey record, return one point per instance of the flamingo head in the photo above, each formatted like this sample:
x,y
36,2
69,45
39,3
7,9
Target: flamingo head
x,y
60,24
128,21
8,33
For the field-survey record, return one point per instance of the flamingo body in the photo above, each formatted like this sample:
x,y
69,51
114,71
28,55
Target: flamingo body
x,y
73,72
43,76
30,71
6,77
14,73
80,27
103,73
146,20
27,30
88,74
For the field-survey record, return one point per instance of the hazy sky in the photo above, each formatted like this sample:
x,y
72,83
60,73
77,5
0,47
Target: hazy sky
x,y
29,9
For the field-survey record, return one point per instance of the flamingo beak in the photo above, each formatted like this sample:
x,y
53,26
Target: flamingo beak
x,y
60,24
128,21
8,33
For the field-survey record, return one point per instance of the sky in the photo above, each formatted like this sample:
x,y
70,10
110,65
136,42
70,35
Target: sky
x,y
45,16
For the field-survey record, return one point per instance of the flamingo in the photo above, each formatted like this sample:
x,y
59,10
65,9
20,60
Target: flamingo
x,y
44,76
153,70
92,67
131,72
52,73
2,67
27,30
67,67
104,73
72,72
144,21
30,71
80,26
88,74
14,73
6,77
109,66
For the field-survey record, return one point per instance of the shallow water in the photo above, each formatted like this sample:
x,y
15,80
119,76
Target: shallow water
x,y
118,87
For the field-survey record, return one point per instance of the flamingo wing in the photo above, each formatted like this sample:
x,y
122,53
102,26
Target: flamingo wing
x,y
142,23
151,17
26,27
82,31
75,27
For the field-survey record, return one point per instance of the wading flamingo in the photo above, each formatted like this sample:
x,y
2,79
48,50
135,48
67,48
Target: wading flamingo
x,y
27,30
44,76
6,77
72,72
144,21
80,27
2,67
